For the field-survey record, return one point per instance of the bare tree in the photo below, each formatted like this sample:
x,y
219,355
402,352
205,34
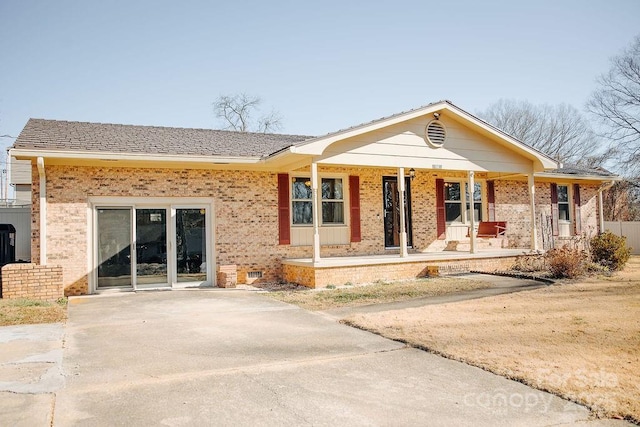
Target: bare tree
x,y
622,202
616,103
237,113
559,131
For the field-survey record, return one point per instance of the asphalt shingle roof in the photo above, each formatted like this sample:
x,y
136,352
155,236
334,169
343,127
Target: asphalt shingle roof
x,y
96,137
579,170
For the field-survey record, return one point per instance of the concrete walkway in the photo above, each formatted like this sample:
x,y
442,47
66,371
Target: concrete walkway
x,y
231,357
30,373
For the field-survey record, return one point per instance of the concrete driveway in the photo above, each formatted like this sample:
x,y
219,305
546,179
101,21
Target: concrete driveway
x,y
233,357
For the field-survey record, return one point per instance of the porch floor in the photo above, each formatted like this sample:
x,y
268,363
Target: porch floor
x,y
347,261
369,268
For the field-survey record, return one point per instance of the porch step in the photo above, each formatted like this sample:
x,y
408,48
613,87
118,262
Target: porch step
x,y
481,243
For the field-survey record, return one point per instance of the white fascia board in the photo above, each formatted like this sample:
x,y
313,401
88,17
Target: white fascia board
x,y
317,145
546,161
93,155
572,177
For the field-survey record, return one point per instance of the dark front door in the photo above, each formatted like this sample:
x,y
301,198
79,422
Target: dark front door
x,y
391,201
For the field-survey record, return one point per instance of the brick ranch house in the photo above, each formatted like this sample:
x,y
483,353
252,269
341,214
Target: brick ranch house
x,y
135,207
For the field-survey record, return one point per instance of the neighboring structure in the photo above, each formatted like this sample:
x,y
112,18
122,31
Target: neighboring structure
x,y
122,206
17,210
20,171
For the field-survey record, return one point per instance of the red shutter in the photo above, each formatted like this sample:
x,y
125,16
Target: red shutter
x,y
576,209
284,222
555,216
491,200
441,223
354,206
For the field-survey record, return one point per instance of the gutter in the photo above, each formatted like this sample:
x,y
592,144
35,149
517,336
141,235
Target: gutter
x,y
603,187
43,210
568,176
111,156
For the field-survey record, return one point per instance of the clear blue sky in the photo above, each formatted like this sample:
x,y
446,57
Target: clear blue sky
x,y
324,65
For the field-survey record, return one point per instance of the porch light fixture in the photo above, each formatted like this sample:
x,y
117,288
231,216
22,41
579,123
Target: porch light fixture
x,y
412,173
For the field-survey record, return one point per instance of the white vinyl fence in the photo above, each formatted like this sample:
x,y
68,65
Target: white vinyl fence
x,y
628,229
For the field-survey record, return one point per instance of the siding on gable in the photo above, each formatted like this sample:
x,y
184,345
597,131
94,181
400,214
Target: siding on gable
x,y
403,145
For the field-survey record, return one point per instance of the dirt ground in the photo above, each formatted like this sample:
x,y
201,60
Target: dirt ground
x,y
580,340
376,293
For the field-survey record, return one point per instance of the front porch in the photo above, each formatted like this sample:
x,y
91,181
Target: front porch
x,y
370,268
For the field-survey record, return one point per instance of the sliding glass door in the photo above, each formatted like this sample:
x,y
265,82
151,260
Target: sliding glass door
x,y
151,247
191,245
170,246
114,247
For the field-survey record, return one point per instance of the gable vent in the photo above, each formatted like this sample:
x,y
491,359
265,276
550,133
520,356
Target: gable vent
x,y
435,133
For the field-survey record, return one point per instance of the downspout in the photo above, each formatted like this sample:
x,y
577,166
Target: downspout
x,y
602,188
43,210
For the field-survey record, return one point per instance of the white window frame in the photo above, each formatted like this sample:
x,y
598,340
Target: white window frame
x,y
133,203
344,200
464,213
293,200
565,226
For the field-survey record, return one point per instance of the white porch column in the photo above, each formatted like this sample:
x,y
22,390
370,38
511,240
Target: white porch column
x,y
316,205
403,226
472,217
532,202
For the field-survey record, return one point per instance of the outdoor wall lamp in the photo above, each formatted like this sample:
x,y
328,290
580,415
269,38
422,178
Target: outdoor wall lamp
x,y
412,173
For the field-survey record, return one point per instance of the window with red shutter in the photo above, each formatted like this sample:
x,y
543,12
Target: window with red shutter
x,y
577,221
491,200
441,225
354,206
284,222
554,210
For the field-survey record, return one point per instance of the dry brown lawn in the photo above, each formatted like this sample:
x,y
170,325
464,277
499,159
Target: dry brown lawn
x,y
579,340
376,293
26,311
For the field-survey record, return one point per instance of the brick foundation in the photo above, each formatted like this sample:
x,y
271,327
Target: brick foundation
x,y
41,282
321,277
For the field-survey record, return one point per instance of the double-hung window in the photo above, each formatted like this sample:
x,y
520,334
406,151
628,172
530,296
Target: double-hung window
x,y
563,203
332,201
332,192
301,201
455,199
452,202
477,199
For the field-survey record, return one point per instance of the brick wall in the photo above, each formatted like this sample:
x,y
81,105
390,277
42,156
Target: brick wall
x,y
512,205
42,282
246,214
321,277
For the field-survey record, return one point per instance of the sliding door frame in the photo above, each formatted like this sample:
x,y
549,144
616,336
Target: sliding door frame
x,y
170,204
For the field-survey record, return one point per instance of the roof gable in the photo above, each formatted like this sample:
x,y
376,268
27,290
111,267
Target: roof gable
x,y
318,146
